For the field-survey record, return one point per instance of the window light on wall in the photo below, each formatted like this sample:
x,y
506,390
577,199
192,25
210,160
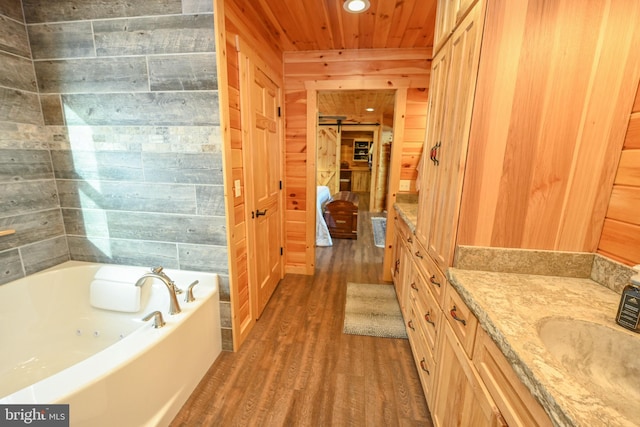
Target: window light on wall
x,y
356,6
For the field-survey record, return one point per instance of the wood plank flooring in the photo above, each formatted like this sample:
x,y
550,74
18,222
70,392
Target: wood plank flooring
x,y
297,368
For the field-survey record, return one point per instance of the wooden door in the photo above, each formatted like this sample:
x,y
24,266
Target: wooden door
x,y
450,156
263,155
328,161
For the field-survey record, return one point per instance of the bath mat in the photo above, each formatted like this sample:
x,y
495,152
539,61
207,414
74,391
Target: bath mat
x,y
373,310
379,225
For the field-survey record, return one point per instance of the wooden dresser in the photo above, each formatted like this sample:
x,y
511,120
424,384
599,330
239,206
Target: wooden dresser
x,y
341,215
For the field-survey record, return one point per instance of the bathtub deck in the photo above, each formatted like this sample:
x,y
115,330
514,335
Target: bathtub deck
x,y
297,367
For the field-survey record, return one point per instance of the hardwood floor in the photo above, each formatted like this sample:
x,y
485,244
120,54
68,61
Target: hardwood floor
x,y
297,368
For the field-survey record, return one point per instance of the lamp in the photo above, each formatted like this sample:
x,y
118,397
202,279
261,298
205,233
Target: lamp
x,y
356,6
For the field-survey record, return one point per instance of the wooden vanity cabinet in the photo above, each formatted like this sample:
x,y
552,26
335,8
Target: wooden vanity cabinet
x,y
401,268
461,397
423,354
517,406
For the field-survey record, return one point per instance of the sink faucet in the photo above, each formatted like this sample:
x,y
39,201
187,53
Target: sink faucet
x,y
157,273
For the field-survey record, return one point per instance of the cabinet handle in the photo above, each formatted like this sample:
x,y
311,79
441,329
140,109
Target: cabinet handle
x,y
410,324
433,280
397,269
341,221
455,316
260,213
419,255
427,317
433,154
414,286
409,239
423,365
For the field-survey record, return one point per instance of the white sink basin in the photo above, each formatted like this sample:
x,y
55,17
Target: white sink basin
x,y
603,360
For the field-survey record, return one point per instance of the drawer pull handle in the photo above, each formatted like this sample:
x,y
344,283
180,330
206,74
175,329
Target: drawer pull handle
x,y
419,255
341,221
414,286
455,316
409,239
423,365
427,317
410,324
433,280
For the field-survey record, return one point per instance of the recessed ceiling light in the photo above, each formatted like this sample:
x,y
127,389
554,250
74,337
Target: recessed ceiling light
x,y
356,6
370,109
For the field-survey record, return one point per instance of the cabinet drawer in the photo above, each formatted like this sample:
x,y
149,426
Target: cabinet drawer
x,y
516,404
404,231
461,319
433,277
428,312
422,355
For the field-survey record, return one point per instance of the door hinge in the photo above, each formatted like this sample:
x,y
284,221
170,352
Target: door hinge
x,y
281,251
281,185
279,112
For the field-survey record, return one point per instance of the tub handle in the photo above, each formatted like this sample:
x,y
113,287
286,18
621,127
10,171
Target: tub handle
x,y
158,321
189,296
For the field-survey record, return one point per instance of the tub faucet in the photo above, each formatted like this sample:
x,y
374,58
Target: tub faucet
x,y
158,270
174,306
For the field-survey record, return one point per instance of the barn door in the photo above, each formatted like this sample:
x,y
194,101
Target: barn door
x,y
328,161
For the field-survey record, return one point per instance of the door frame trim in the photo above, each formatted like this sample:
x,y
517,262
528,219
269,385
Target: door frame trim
x,y
312,87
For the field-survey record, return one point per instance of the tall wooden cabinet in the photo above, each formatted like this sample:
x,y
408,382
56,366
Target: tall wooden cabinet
x,y
453,87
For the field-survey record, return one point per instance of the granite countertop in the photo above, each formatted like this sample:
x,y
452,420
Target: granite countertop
x,y
512,308
514,292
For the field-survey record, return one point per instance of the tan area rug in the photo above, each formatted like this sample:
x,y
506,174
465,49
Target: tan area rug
x,y
373,310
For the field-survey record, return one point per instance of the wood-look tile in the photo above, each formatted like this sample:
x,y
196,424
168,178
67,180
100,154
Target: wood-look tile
x,y
183,72
12,9
66,40
142,109
72,10
20,106
155,35
92,75
13,37
17,72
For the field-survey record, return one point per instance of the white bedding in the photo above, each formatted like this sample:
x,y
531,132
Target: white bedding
x,y
323,196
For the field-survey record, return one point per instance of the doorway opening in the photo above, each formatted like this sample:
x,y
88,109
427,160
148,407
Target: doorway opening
x,y
354,131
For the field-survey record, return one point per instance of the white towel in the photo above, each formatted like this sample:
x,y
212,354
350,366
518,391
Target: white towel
x,y
116,296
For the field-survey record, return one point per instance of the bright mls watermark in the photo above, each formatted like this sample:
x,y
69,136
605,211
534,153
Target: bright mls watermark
x,y
34,415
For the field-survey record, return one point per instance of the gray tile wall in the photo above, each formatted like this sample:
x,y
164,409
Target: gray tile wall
x,y
128,99
28,197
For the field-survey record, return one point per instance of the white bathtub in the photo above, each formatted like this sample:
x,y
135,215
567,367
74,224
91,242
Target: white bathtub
x,y
110,367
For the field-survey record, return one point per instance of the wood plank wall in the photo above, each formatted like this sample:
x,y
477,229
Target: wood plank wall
x,y
620,237
349,69
546,134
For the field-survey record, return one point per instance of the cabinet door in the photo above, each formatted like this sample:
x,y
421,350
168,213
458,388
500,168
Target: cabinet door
x,y
448,159
461,399
437,99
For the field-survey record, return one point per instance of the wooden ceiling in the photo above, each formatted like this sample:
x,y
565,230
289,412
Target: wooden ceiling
x,y
325,25
352,105
308,25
